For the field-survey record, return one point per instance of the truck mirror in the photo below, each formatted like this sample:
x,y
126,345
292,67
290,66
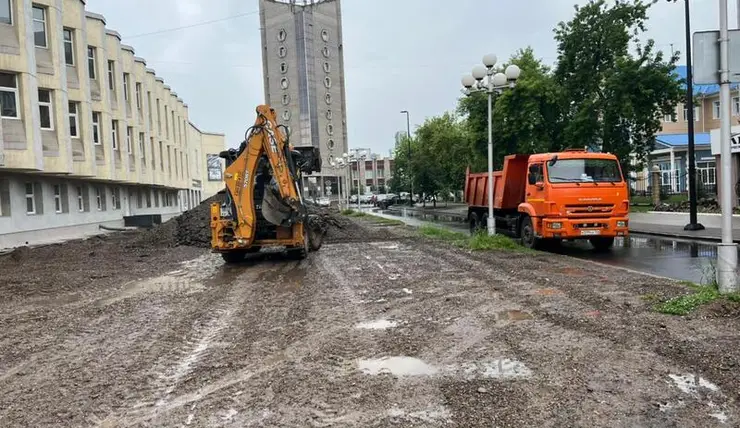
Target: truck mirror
x,y
553,161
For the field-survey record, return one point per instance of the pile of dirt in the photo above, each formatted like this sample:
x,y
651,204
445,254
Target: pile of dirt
x,y
192,228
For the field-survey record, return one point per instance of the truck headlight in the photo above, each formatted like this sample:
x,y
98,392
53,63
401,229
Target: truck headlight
x,y
621,223
556,225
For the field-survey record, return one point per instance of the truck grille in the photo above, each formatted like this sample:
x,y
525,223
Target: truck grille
x,y
593,210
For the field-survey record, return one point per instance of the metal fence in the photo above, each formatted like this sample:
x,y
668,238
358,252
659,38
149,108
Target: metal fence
x,y
677,184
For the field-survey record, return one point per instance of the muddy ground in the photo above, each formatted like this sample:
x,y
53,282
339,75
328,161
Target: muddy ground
x,y
379,328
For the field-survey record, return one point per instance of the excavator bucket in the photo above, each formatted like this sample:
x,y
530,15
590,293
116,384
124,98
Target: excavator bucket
x,y
274,209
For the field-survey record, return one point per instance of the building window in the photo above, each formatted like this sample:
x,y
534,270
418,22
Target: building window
x,y
330,129
80,200
282,35
125,86
736,106
9,96
142,151
58,198
5,14
326,52
329,115
96,127
4,198
138,96
715,110
30,199
282,51
111,76
91,62
114,133
331,144
286,99
116,195
166,123
325,35
159,118
129,148
98,199
74,129
327,82
69,56
707,172
148,197
327,98
283,67
39,27
286,115
327,67
161,156
45,110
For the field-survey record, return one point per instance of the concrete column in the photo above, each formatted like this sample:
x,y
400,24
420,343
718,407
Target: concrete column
x,y
656,184
674,177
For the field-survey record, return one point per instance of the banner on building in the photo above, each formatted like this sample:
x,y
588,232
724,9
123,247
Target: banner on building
x,y
213,163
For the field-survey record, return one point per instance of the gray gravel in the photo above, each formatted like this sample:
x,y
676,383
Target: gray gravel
x,y
380,330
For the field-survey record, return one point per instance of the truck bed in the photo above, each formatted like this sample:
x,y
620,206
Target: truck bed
x,y
508,185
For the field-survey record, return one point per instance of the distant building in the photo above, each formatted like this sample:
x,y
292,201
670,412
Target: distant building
x,y
375,173
303,62
89,136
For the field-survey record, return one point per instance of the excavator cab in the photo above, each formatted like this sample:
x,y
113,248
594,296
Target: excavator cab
x,y
263,205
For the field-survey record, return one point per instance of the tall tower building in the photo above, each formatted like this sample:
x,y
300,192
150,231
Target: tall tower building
x,y
303,66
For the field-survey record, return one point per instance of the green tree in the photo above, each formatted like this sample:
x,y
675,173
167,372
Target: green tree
x,y
613,100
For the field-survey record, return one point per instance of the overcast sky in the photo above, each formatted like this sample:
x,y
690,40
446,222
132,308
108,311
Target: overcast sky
x,y
399,54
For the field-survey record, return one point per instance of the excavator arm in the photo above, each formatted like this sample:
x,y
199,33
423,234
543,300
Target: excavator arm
x,y
265,153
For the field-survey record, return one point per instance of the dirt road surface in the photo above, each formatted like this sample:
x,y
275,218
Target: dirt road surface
x,y
389,331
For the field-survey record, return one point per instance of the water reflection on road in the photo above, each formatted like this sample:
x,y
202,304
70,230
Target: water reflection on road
x,y
678,259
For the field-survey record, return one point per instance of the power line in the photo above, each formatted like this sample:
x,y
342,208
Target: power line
x,y
198,24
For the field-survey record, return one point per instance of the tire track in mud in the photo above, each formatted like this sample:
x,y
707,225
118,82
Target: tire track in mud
x,y
589,339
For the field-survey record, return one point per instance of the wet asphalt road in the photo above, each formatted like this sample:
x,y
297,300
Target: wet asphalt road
x,y
677,259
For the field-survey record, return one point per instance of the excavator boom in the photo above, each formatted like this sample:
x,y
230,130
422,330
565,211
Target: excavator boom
x,y
263,204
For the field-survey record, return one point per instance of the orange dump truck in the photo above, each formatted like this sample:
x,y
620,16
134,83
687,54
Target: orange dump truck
x,y
568,195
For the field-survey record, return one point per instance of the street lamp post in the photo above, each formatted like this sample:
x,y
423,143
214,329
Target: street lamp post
x,y
494,84
408,137
693,220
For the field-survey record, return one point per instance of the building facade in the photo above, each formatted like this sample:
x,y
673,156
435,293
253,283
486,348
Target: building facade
x,y
373,174
89,135
303,66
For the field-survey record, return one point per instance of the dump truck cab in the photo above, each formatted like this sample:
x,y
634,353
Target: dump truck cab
x,y
567,195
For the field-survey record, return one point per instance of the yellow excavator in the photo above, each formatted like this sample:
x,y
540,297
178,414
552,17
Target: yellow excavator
x,y
262,204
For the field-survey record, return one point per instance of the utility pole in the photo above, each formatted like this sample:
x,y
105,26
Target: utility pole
x,y
727,250
693,221
408,137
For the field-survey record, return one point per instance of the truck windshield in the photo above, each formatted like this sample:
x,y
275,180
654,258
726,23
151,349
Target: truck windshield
x,y
584,171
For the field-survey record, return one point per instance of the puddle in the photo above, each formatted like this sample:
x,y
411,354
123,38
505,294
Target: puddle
x,y
428,415
515,315
496,369
690,384
398,366
376,325
503,368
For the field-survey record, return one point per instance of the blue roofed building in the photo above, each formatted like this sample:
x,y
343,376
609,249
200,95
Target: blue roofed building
x,y
671,148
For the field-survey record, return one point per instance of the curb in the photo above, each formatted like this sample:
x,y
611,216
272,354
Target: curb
x,y
681,236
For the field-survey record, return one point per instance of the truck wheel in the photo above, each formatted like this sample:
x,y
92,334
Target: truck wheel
x,y
473,222
233,256
602,244
529,240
